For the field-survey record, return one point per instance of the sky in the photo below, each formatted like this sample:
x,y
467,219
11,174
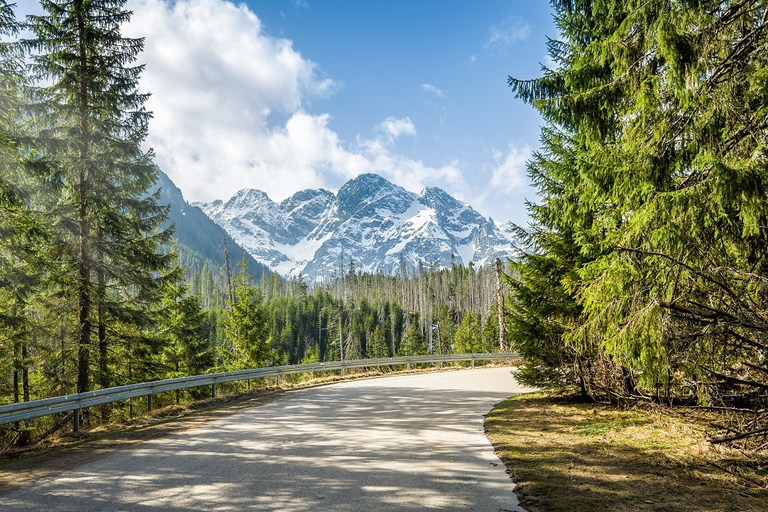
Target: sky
x,y
284,95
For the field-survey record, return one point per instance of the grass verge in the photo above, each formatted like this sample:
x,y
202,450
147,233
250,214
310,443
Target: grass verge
x,y
567,455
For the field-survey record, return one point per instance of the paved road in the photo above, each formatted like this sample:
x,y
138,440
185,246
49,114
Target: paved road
x,y
412,442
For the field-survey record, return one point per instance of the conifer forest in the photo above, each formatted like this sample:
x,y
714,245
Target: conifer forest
x,y
643,273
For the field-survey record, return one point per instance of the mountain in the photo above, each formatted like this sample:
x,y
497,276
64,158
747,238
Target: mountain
x,y
377,224
198,237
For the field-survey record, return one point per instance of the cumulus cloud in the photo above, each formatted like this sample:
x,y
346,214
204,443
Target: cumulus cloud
x,y
393,128
217,80
431,89
509,176
507,33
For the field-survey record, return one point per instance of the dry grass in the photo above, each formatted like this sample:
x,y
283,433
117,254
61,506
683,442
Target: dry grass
x,y
572,456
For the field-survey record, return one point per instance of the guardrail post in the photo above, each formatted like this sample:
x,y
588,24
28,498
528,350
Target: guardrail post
x,y
213,390
277,380
76,426
473,362
149,403
408,366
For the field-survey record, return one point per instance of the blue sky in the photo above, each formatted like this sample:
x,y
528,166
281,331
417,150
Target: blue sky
x,y
282,95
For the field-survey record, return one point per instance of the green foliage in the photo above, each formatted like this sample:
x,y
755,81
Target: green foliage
x,y
413,343
89,123
646,274
93,293
469,335
181,322
245,324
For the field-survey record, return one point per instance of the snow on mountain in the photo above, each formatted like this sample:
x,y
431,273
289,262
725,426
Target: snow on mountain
x,y
377,224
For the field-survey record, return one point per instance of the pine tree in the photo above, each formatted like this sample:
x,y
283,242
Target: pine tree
x,y
469,336
91,123
22,231
245,323
654,180
187,350
413,343
377,344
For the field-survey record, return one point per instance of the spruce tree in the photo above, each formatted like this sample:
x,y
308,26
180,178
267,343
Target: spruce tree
x,y
246,324
22,232
91,123
658,108
186,351
469,335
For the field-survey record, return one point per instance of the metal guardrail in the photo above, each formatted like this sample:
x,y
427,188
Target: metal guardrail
x,y
37,408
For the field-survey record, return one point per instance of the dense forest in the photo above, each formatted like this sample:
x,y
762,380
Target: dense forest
x,y
645,276
94,291
356,315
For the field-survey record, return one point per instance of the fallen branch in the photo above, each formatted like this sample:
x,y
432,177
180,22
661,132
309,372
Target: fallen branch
x,y
735,379
743,435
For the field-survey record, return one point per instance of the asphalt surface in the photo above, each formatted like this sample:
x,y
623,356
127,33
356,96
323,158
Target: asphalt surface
x,y
412,442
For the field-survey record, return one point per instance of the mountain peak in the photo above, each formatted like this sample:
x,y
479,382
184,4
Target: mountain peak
x,y
439,198
365,185
249,196
371,220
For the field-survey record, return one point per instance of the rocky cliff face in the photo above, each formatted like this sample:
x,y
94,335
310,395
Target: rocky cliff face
x,y
379,225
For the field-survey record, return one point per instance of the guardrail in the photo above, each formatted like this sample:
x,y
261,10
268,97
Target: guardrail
x,y
38,408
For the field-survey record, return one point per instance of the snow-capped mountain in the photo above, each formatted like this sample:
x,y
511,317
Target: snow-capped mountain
x,y
197,236
377,224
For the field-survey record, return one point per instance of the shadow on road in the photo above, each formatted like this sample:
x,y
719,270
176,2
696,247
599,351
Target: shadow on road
x,y
370,444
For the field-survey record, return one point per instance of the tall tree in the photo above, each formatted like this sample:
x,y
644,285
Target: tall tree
x,y
187,350
245,323
92,122
17,223
659,107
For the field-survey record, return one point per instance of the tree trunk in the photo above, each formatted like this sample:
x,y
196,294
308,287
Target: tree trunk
x,y
102,333
500,299
24,372
84,265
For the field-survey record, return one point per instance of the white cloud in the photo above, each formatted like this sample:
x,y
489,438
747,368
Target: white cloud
x,y
431,89
215,79
393,128
509,32
509,176
410,174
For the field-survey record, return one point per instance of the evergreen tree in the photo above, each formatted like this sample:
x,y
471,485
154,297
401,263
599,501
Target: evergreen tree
x,y
181,323
91,123
469,336
245,323
377,344
413,343
654,179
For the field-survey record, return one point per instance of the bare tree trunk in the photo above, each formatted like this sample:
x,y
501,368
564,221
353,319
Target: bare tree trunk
x,y
229,272
500,298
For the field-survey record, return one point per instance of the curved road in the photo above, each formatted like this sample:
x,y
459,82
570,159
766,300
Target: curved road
x,y
408,442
